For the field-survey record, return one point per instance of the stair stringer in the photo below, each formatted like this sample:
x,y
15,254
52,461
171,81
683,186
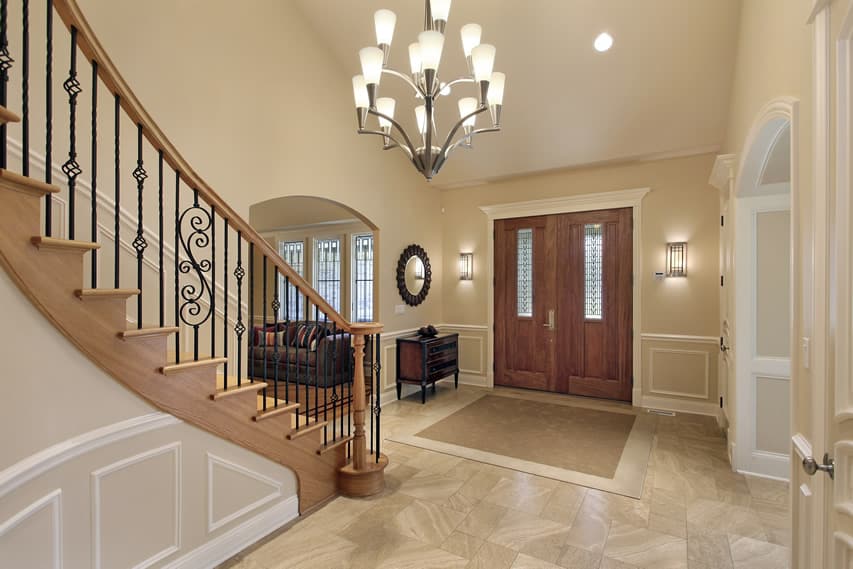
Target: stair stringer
x,y
49,280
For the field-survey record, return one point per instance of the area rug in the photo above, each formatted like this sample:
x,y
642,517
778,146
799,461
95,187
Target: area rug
x,y
585,443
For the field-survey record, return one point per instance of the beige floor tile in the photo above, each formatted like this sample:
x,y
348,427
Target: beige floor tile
x,y
709,549
307,550
525,494
575,558
589,531
428,486
482,520
564,503
427,461
461,503
615,508
426,521
663,524
530,534
480,484
608,563
753,554
414,555
773,491
710,516
645,548
527,562
462,544
492,556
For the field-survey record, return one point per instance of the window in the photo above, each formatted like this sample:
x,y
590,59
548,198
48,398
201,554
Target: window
x,y
524,287
293,252
362,277
327,270
592,241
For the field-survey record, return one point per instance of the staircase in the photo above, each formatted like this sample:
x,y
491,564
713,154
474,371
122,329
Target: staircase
x,y
220,293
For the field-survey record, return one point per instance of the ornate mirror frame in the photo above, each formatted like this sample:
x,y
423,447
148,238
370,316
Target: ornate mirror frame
x,y
409,252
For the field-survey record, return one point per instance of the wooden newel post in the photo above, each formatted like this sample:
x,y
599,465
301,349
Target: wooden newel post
x,y
364,475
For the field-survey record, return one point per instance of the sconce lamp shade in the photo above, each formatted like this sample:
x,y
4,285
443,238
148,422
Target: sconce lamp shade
x,y
676,259
466,266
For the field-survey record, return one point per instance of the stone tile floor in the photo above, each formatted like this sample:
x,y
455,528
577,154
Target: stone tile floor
x,y
444,512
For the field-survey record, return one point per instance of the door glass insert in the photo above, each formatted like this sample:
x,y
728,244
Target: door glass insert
x,y
525,272
592,270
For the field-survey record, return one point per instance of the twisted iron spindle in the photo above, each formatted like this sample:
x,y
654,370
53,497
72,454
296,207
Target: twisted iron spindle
x,y
378,389
287,332
251,352
264,329
48,120
276,307
240,328
160,241
71,168
5,64
226,301
139,243
25,89
117,184
213,281
177,264
94,175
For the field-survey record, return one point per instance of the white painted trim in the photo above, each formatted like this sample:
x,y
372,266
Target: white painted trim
x,y
763,475
680,405
723,172
707,387
482,327
235,540
213,460
52,500
632,198
37,464
680,338
98,475
802,446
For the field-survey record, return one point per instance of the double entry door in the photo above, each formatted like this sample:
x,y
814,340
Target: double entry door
x,y
563,303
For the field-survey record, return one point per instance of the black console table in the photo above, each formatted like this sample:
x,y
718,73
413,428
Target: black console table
x,y
424,360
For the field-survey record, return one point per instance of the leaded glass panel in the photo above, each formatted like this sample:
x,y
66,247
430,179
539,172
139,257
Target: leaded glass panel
x,y
593,264
524,285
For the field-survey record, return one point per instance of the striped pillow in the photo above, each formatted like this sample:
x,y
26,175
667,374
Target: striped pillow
x,y
308,335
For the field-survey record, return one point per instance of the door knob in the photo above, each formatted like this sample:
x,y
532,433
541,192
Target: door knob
x,y
723,347
811,466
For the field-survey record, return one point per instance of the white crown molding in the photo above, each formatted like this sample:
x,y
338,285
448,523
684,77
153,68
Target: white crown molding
x,y
680,338
37,464
723,172
567,204
212,461
238,538
101,473
53,500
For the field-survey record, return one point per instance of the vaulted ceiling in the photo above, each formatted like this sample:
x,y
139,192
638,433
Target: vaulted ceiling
x,y
662,89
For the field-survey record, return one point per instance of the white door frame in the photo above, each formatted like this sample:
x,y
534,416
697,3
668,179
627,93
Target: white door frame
x,y
584,202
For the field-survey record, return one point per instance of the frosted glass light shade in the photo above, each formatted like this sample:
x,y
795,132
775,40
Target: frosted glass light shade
x,y
467,106
385,105
440,9
385,20
471,34
371,64
603,42
483,59
432,43
496,88
420,117
415,57
359,92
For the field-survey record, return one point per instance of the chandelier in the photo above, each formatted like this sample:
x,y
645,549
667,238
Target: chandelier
x,y
424,58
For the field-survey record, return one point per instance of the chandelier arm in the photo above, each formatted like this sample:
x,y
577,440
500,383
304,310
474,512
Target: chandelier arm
x,y
444,156
455,82
452,132
414,153
405,79
397,143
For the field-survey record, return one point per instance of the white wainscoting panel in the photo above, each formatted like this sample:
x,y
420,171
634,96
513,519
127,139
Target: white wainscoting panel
x,y
137,484
669,365
32,538
234,490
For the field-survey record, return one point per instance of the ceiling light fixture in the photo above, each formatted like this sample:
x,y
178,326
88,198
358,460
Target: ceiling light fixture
x,y
603,42
424,59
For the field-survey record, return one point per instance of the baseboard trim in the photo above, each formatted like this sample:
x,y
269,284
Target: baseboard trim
x,y
238,538
762,475
679,405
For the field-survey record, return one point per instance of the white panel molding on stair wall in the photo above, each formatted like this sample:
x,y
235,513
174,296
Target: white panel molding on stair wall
x,y
213,491
50,503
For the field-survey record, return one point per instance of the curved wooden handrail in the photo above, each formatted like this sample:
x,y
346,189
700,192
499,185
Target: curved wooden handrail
x,y
71,15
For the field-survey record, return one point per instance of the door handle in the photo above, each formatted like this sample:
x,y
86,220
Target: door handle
x,y
550,323
811,466
723,347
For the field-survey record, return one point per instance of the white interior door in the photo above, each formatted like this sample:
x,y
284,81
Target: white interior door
x,y
762,352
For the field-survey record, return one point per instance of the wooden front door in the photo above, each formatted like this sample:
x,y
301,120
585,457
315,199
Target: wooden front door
x,y
563,314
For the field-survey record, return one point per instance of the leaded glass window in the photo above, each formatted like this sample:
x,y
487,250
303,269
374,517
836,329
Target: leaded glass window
x,y
593,264
327,271
362,297
293,253
524,285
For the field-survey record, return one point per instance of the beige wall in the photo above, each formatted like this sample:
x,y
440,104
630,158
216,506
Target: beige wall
x,y
266,113
773,287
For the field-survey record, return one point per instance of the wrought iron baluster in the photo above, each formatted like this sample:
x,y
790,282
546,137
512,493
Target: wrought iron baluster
x,y
264,329
196,221
307,368
296,360
25,88
346,382
161,242
316,363
378,388
94,175
225,301
335,379
139,243
5,64
240,328
251,357
325,378
117,221
368,380
213,281
276,306
71,168
177,264
348,385
48,120
287,332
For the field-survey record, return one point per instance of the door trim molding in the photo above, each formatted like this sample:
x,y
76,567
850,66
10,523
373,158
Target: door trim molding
x,y
583,202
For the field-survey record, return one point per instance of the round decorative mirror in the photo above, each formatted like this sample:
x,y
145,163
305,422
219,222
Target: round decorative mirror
x,y
414,275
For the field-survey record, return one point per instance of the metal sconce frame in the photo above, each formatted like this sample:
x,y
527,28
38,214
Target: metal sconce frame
x,y
466,266
676,259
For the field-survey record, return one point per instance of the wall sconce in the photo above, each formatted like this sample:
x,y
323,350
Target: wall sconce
x,y
676,259
466,266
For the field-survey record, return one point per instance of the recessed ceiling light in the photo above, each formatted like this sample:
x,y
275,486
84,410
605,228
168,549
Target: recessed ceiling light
x,y
603,42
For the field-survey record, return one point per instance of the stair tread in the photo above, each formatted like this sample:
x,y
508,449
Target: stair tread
x,y
105,293
54,244
7,116
235,389
304,429
275,411
332,446
148,332
172,368
14,181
